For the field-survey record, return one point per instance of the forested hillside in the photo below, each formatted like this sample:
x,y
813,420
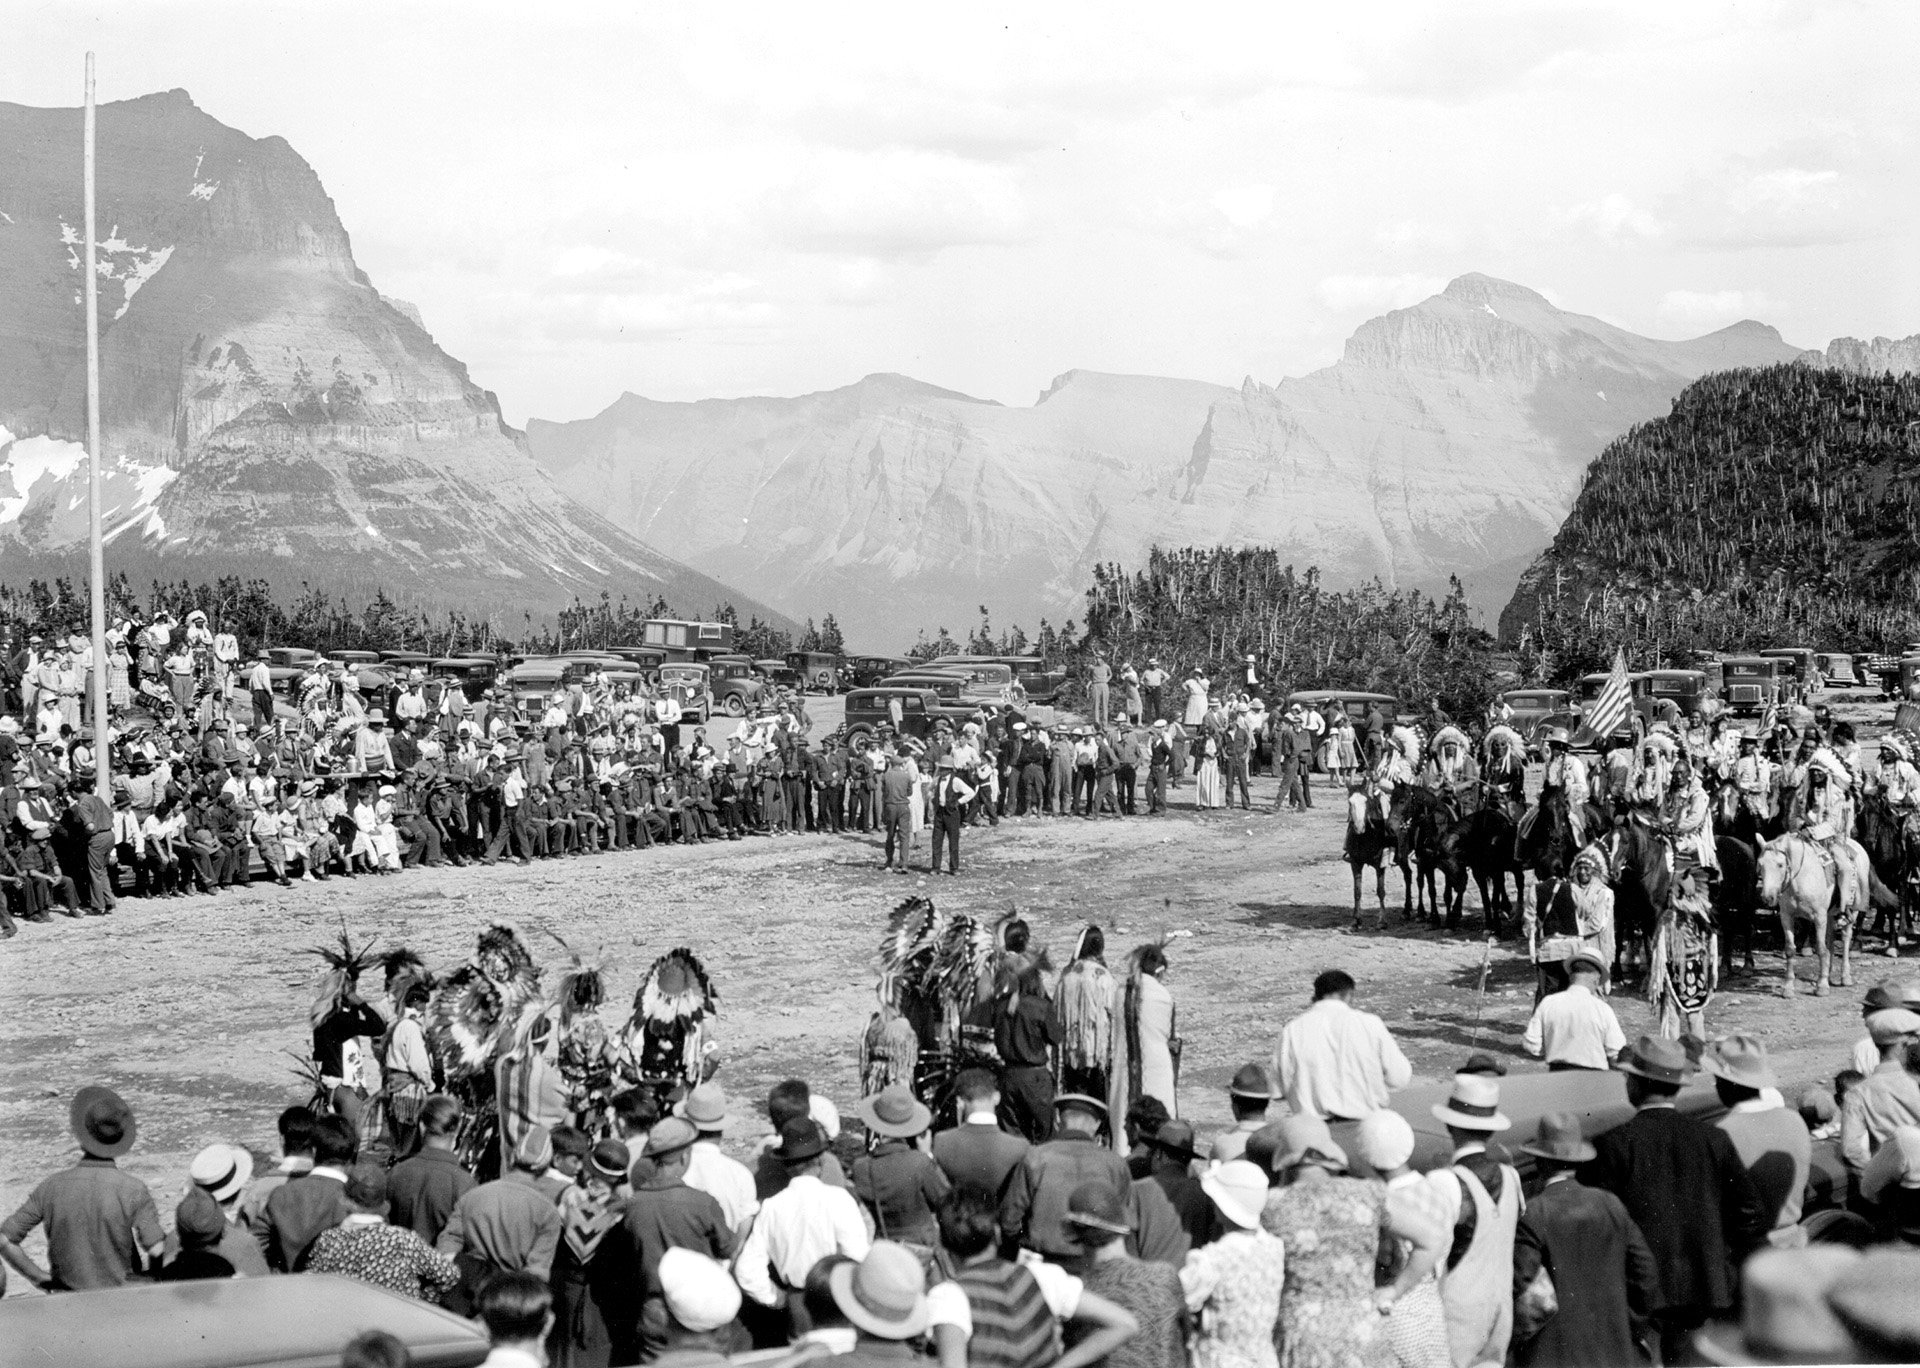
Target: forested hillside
x,y
1771,507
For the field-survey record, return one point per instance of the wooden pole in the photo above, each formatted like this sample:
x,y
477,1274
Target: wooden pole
x,y
97,574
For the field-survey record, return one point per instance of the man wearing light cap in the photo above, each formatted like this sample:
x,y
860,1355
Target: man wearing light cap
x,y
1885,1099
663,1213
1034,1207
506,1226
1249,1095
701,1300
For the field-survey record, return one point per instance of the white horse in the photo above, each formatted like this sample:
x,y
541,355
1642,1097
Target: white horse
x,y
1796,879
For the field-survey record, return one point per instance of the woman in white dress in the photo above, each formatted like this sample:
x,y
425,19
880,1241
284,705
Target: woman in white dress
x,y
1210,791
1146,1054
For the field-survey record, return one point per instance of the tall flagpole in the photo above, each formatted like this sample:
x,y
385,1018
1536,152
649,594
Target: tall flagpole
x,y
97,576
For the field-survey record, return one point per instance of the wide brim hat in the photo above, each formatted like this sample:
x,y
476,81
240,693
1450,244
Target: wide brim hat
x,y
1175,1139
883,1294
894,1112
1788,1312
1474,1105
705,1107
801,1139
1742,1060
1559,1138
1589,958
102,1122
669,1136
1250,1080
1656,1059
1239,1189
222,1171
1092,1105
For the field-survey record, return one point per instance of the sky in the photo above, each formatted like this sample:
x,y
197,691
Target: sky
x,y
710,201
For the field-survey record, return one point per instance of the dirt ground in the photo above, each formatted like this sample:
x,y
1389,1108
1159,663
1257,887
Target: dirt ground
x,y
196,1009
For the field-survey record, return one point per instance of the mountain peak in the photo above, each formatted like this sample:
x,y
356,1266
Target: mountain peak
x,y
1475,288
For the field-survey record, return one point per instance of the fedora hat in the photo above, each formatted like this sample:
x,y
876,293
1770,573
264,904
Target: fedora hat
x,y
1877,1298
1785,1314
1559,1138
1250,1080
1239,1189
222,1170
1662,1061
705,1107
1092,1105
1098,1206
894,1111
102,1122
1740,1059
885,1294
1474,1105
801,1139
669,1137
1175,1139
1584,958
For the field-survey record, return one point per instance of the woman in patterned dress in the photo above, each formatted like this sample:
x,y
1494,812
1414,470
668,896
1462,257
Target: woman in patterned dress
x,y
1233,1285
1413,1241
1330,1225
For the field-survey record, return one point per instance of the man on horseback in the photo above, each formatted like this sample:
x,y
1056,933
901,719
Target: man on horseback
x,y
1685,815
1505,775
1826,819
1392,768
1899,780
1753,781
1450,771
1565,780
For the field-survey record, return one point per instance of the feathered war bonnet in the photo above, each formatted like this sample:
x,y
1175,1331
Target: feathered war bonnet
x,y
345,964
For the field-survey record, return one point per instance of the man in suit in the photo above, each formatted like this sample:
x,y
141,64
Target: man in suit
x,y
977,1152
1034,1206
1603,1272
299,1209
1682,1181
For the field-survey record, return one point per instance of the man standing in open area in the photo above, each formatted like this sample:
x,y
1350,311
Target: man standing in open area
x,y
1336,1062
99,1220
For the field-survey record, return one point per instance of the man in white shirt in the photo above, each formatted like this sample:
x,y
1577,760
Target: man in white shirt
x,y
728,1181
800,1224
1575,1028
1334,1061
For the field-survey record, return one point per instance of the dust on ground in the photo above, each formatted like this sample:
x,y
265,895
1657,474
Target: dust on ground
x,y
196,1009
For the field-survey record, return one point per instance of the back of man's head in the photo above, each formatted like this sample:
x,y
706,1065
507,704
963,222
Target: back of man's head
x,y
335,1142
787,1101
516,1308
1332,983
296,1131
440,1116
636,1110
969,1221
822,1309
975,1090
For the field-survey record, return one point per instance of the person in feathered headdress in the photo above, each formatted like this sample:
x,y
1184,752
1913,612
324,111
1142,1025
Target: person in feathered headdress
x,y
471,1023
580,1047
1146,1047
1574,913
1083,1009
1506,768
1450,770
341,1020
667,1036
890,1046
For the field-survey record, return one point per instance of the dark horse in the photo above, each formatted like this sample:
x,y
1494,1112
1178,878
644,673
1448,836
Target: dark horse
x,y
1893,848
1736,898
1547,846
1481,845
1637,862
1420,820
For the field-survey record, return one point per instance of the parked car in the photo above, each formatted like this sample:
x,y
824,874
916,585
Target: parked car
x,y
864,671
232,1323
818,671
1687,690
288,665
1836,667
687,683
648,658
1749,686
539,678
910,712
1530,706
1356,703
1803,677
950,687
406,660
473,675
736,689
1039,683
778,673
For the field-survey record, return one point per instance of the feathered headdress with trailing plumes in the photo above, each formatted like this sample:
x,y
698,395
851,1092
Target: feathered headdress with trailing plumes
x,y
676,989
909,946
465,1021
345,964
502,956
402,962
581,985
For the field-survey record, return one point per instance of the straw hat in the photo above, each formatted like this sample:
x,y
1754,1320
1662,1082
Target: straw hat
x,y
894,1111
885,1294
1474,1105
1559,1138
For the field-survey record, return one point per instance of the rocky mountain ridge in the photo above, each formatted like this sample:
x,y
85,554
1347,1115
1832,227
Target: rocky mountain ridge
x,y
264,408
1449,439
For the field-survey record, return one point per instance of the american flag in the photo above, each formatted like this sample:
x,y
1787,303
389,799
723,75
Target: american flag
x,y
1608,712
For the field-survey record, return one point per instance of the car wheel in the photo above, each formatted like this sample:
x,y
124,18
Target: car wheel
x,y
860,740
736,705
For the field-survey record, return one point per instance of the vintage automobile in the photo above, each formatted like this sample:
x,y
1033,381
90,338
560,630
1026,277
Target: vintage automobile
x,y
1748,686
688,683
288,665
863,672
298,1322
1805,676
1531,707
1357,704
1687,690
909,712
473,675
648,658
818,671
735,687
950,687
1040,684
1836,668
777,673
686,640
406,660
538,678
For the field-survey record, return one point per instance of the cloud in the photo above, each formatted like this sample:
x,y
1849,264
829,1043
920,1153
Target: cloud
x,y
1796,196
1468,54
1373,293
1715,308
1615,218
893,203
1244,205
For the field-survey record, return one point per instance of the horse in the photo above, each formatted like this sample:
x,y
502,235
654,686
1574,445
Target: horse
x,y
1545,844
1408,810
1368,842
1427,818
1481,846
1893,850
1735,907
1792,876
1639,865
